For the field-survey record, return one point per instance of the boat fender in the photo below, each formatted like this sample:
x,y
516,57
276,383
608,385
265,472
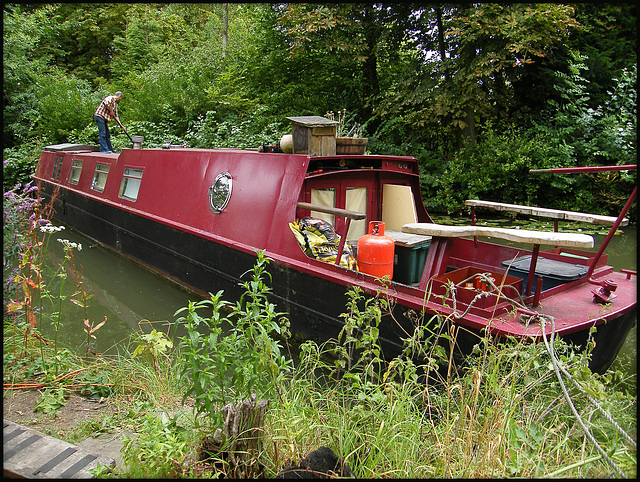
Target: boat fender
x,y
286,143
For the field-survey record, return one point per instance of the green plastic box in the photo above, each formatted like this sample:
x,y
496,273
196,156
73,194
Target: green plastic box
x,y
409,263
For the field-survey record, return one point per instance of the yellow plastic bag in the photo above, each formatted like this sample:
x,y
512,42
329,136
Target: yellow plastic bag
x,y
318,240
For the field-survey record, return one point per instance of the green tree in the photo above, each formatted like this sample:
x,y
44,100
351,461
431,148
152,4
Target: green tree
x,y
488,46
64,103
86,35
27,54
609,43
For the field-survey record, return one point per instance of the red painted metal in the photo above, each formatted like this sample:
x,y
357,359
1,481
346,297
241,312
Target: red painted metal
x,y
532,268
612,231
266,189
585,169
174,191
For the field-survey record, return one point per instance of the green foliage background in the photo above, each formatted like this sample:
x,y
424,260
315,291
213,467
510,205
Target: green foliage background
x,y
479,93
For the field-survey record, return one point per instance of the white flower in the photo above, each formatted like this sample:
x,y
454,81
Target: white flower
x,y
68,244
50,228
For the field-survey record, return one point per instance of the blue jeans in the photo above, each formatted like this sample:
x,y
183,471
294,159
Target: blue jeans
x,y
103,134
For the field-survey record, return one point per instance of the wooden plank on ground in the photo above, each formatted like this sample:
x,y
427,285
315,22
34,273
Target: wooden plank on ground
x,y
32,455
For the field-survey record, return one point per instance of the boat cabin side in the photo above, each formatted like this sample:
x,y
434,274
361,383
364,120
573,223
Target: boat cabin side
x,y
262,194
385,189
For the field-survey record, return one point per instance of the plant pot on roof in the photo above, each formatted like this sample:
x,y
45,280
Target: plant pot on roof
x,y
351,145
351,142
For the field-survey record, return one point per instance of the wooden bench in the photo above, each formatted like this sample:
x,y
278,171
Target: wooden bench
x,y
441,242
32,455
554,214
570,240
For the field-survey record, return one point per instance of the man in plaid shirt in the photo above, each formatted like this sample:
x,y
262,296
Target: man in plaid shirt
x,y
107,110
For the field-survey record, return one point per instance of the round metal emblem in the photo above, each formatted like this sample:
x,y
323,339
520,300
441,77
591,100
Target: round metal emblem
x,y
220,192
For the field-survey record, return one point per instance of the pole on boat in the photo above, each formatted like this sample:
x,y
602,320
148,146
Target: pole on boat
x,y
123,129
571,170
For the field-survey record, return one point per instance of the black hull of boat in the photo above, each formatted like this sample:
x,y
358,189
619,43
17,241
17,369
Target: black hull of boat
x,y
313,304
609,339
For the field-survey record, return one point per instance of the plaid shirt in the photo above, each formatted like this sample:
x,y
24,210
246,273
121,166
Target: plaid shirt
x,y
103,109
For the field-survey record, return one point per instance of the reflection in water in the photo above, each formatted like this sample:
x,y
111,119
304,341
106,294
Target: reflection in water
x,y
128,295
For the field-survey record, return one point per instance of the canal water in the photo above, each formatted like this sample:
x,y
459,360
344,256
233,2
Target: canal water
x,y
132,298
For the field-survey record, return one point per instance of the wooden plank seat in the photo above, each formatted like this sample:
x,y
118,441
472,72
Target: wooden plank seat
x,y
556,214
572,240
442,235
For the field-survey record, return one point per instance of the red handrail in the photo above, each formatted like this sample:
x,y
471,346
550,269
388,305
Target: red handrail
x,y
570,170
607,286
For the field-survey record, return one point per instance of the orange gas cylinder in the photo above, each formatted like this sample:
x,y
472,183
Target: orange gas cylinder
x,y
376,251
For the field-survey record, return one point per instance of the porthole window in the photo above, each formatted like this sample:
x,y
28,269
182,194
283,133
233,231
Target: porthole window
x,y
220,192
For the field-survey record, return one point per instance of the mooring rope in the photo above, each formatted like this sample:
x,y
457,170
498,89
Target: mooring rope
x,y
595,403
556,368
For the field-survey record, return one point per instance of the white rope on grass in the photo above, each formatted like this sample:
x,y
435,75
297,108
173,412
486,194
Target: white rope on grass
x,y
556,368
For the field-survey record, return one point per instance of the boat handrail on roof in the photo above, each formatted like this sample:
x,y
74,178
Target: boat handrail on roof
x,y
546,213
331,210
573,240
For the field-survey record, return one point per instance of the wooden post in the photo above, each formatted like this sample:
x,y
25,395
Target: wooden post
x,y
243,431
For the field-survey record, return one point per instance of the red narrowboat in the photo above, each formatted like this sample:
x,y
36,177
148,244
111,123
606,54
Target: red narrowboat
x,y
197,216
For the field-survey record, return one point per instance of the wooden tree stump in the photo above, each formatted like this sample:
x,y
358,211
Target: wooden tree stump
x,y
243,432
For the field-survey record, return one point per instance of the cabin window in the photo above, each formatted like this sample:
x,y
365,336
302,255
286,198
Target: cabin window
x,y
324,197
356,200
100,177
57,167
74,173
130,183
220,192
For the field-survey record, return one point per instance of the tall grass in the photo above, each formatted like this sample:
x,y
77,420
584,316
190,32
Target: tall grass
x,y
499,413
504,416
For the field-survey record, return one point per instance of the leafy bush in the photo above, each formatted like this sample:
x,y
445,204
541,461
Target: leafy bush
x,y
254,130
497,169
19,163
229,357
158,450
65,103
